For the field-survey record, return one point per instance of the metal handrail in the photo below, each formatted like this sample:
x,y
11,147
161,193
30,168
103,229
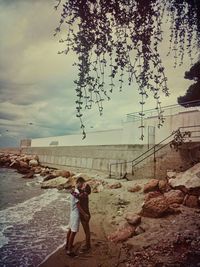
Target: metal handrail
x,y
151,154
187,105
152,148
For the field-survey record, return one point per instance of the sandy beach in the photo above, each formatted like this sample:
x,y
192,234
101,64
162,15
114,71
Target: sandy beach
x,y
163,242
106,214
138,223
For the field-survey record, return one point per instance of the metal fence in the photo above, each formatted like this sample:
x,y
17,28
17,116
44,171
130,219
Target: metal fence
x,y
168,110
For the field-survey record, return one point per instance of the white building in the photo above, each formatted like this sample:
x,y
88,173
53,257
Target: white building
x,y
130,132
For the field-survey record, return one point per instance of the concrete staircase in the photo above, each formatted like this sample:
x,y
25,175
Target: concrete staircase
x,y
155,162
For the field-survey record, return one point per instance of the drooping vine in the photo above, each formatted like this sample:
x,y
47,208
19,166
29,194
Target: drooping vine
x,y
118,40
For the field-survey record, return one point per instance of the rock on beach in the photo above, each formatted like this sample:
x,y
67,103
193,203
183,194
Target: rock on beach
x,y
123,232
174,196
152,185
189,179
155,207
54,183
133,219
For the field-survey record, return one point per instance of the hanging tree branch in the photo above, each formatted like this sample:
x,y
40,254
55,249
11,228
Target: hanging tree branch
x,y
119,39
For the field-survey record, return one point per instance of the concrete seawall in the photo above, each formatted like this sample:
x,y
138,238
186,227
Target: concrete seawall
x,y
91,157
100,158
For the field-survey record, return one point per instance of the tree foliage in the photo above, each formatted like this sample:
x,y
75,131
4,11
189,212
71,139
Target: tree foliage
x,y
193,93
194,72
118,40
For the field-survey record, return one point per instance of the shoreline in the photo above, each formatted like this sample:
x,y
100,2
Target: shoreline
x,y
107,208
52,253
101,226
159,240
135,223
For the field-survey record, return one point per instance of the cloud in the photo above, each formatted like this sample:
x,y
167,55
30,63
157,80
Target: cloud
x,y
7,116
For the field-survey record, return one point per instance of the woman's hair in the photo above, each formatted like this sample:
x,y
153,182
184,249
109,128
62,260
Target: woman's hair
x,y
80,180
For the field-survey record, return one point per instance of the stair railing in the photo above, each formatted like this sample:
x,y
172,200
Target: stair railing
x,y
153,150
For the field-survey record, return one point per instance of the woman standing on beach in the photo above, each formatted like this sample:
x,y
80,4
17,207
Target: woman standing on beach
x,y
75,212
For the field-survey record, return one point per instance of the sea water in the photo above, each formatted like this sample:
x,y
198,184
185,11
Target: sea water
x,y
33,221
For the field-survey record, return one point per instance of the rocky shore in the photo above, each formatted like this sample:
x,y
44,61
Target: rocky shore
x,y
134,223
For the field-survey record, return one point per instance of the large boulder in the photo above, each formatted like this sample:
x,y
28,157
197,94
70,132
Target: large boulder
x,y
132,218
54,183
96,185
23,170
188,180
23,164
152,185
14,164
191,201
153,195
35,157
155,207
65,174
174,196
33,163
171,174
134,188
115,186
163,186
25,158
5,161
123,232
62,173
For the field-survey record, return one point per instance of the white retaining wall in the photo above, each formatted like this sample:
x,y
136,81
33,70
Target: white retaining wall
x,y
129,133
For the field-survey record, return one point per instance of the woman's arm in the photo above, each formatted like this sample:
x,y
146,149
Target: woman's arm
x,y
79,195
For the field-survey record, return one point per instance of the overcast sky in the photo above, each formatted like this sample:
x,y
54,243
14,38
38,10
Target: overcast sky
x,y
36,84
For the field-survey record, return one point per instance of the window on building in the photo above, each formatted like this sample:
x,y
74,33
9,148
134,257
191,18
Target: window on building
x,y
54,143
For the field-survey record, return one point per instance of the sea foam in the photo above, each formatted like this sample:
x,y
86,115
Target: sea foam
x,y
23,212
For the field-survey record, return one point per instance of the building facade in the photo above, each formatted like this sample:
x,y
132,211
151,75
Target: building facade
x,y
130,132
